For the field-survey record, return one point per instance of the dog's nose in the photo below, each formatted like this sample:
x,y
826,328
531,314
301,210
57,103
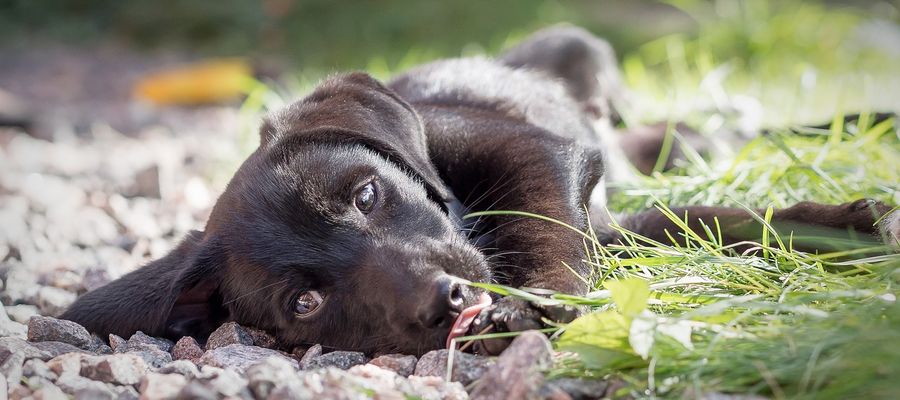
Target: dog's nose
x,y
445,299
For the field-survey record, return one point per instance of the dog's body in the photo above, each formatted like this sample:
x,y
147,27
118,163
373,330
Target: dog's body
x,y
345,226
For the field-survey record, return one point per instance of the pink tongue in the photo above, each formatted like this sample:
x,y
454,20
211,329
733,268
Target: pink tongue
x,y
465,318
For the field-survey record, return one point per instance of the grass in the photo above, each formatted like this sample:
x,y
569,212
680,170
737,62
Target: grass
x,y
683,321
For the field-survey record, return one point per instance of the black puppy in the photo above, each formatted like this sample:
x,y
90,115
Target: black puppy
x,y
344,227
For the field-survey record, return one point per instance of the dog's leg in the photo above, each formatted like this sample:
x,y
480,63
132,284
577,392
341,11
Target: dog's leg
x,y
812,226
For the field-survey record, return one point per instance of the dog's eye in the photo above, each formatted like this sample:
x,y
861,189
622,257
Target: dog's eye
x,y
366,198
307,302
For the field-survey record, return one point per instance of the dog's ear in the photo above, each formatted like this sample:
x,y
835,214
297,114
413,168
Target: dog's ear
x,y
177,295
357,108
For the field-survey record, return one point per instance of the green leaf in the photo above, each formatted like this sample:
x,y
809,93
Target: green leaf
x,y
600,339
630,295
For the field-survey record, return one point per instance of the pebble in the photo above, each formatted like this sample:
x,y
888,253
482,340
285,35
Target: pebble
x,y
53,300
119,369
261,338
187,348
264,376
337,359
21,313
518,372
309,355
181,367
467,368
84,388
227,334
9,327
58,348
403,365
45,329
239,357
143,342
117,343
161,386
11,345
37,368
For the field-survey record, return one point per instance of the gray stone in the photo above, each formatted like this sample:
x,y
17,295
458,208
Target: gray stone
x,y
118,369
227,334
37,368
239,357
338,359
309,355
99,346
162,386
264,376
49,391
226,382
187,349
117,343
84,388
9,327
153,357
21,313
66,364
432,387
197,390
261,338
126,393
12,369
518,372
45,329
182,367
11,345
58,348
466,367
403,365
54,301
575,389
142,342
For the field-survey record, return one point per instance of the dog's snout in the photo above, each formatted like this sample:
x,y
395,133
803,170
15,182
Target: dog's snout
x,y
444,301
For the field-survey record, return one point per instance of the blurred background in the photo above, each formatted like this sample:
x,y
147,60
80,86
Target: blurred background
x,y
121,120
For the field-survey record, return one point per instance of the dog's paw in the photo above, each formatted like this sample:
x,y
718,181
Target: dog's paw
x,y
511,314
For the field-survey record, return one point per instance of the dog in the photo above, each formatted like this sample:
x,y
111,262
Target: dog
x,y
345,226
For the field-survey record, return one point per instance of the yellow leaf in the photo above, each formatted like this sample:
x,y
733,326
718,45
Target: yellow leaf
x,y
200,83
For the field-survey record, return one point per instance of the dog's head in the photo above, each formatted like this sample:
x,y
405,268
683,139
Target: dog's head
x,y
333,231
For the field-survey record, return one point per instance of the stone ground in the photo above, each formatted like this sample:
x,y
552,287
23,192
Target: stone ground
x,y
102,184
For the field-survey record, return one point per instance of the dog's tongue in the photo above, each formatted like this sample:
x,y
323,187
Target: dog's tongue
x,y
465,318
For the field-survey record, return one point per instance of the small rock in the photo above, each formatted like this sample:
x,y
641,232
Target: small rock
x,y
99,346
262,377
197,390
517,373
45,329
118,369
239,357
117,343
84,388
142,342
227,382
54,301
309,355
9,327
66,364
227,334
338,359
58,348
49,391
154,358
11,369
187,348
38,368
16,392
21,313
403,365
466,367
161,386
11,345
182,367
126,393
261,338
95,278
146,183
432,387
